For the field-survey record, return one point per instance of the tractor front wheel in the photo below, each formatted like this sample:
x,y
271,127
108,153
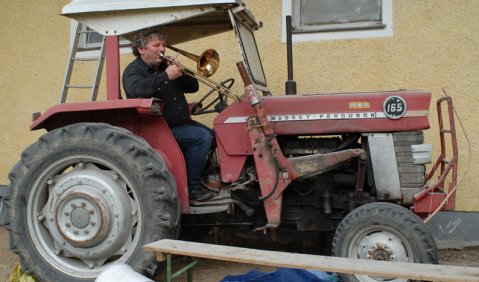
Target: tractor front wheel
x,y
383,231
88,195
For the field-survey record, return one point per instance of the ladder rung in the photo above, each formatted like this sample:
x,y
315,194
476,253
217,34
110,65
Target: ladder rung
x,y
79,49
79,86
445,130
86,31
446,161
85,59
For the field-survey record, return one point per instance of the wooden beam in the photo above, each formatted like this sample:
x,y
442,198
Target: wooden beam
x,y
431,272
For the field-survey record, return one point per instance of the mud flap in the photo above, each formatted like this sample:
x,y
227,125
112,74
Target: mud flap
x,y
4,193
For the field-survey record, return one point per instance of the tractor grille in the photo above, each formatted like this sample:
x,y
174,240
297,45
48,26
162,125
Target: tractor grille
x,y
411,176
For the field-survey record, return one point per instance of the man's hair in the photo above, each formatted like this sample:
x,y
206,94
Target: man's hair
x,y
141,39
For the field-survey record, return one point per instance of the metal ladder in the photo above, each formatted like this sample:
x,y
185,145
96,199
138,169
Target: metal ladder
x,y
71,62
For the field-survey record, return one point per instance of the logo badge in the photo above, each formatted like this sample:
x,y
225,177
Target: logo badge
x,y
395,107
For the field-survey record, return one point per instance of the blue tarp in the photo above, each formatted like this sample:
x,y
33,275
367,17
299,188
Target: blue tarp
x,y
283,275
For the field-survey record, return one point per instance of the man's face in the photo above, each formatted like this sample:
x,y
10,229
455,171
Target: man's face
x,y
154,47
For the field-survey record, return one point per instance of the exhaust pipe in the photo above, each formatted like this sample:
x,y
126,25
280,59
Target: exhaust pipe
x,y
290,84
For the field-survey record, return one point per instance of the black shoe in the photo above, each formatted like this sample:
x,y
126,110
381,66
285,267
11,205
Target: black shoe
x,y
201,194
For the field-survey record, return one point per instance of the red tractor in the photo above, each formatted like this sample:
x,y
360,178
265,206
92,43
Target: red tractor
x,y
108,176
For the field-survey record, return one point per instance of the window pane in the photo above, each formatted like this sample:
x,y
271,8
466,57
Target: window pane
x,y
314,12
251,53
93,37
336,15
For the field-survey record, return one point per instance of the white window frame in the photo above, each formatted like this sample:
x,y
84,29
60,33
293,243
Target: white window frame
x,y
387,31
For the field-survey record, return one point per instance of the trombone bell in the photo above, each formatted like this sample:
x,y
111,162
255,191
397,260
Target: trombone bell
x,y
206,64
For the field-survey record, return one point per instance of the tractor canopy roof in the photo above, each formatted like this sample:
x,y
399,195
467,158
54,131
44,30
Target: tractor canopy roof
x,y
182,20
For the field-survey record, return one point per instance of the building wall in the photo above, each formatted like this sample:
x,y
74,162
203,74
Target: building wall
x,y
434,47
34,49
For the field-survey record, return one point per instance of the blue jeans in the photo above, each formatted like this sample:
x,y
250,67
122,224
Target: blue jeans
x,y
194,140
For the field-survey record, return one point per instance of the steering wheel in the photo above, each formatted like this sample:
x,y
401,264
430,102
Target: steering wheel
x,y
222,99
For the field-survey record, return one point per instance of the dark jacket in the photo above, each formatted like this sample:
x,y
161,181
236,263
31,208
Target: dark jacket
x,y
140,80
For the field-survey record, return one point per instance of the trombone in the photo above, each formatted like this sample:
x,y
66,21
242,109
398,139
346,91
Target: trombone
x,y
207,64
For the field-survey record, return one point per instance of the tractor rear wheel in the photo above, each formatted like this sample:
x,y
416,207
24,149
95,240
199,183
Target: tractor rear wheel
x,y
383,231
88,195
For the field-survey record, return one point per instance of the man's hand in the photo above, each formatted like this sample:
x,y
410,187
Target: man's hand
x,y
173,70
196,108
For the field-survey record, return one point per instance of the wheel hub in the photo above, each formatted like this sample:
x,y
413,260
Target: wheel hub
x,y
89,214
380,252
82,218
382,246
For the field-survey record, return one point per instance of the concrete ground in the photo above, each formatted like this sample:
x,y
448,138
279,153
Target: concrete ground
x,y
210,270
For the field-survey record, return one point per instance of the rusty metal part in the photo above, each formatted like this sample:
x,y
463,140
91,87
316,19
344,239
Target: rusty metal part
x,y
308,166
360,176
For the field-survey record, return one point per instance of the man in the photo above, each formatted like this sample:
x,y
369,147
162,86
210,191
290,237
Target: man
x,y
151,75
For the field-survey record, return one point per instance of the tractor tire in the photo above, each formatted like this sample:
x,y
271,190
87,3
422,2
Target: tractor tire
x,y
383,231
86,196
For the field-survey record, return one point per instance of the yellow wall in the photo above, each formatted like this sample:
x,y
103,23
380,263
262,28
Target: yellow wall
x,y
435,45
34,48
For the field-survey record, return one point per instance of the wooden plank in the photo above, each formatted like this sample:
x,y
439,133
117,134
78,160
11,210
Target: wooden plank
x,y
431,272
160,256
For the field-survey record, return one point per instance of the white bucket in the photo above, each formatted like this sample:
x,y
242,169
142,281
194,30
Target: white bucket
x,y
121,273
